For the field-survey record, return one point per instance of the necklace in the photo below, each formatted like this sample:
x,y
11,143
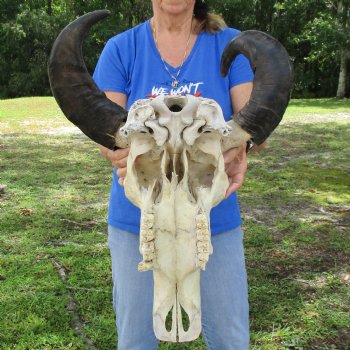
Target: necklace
x,y
175,82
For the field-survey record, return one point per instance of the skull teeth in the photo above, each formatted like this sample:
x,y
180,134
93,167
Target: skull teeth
x,y
148,255
147,221
147,247
145,266
204,248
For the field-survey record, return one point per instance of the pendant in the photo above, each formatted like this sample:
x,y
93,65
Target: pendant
x,y
175,83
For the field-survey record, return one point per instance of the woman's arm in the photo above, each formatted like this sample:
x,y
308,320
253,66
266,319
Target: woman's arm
x,y
240,95
120,156
236,158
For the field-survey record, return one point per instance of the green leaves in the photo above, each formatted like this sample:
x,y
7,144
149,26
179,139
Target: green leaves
x,y
315,33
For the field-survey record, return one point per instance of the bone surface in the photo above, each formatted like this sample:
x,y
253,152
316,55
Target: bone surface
x,y
175,175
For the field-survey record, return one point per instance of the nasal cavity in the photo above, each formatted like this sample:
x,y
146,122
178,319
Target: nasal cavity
x,y
176,104
169,320
175,108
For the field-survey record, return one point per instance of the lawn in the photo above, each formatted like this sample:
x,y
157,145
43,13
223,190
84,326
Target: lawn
x,y
55,280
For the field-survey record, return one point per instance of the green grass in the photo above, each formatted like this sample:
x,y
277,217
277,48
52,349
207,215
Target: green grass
x,y
318,105
295,205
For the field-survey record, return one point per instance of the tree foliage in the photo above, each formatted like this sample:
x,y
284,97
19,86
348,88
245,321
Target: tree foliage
x,y
315,33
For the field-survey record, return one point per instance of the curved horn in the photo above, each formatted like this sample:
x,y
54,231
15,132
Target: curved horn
x,y
75,91
272,83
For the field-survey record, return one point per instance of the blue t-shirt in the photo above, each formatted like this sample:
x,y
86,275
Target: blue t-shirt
x,y
131,64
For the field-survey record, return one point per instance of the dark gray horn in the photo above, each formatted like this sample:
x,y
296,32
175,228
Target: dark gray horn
x,y
273,80
75,91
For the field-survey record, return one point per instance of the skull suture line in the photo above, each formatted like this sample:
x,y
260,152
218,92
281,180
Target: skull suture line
x,y
175,168
175,175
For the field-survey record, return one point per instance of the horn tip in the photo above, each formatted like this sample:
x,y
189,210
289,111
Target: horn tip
x,y
224,64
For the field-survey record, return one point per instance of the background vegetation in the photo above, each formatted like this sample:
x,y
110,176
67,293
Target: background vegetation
x,y
55,279
315,33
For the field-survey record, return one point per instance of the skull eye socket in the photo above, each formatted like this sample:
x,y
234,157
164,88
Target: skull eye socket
x,y
201,130
150,131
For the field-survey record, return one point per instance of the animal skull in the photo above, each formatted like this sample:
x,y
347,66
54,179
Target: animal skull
x,y
175,175
175,165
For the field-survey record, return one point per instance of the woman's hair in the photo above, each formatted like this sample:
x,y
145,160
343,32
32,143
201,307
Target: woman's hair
x,y
209,22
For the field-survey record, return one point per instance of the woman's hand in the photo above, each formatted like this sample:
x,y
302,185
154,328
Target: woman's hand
x,y
118,159
236,158
235,166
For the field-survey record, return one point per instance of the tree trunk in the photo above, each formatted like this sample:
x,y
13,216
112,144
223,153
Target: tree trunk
x,y
131,13
49,7
343,17
342,75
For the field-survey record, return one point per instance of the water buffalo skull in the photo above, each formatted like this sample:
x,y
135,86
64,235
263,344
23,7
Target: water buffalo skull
x,y
175,170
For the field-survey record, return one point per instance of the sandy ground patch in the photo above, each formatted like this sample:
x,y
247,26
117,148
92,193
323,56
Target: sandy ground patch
x,y
38,127
311,118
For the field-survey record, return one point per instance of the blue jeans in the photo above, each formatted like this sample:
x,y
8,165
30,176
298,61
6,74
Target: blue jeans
x,y
224,295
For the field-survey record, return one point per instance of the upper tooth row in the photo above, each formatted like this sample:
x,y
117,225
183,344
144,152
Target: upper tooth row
x,y
147,247
203,240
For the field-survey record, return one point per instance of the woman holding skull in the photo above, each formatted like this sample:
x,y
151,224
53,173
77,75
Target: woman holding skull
x,y
179,49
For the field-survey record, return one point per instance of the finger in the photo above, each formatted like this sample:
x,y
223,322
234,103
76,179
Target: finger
x,y
117,154
232,188
233,169
122,152
120,163
110,154
121,172
234,185
230,168
103,150
230,155
121,181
